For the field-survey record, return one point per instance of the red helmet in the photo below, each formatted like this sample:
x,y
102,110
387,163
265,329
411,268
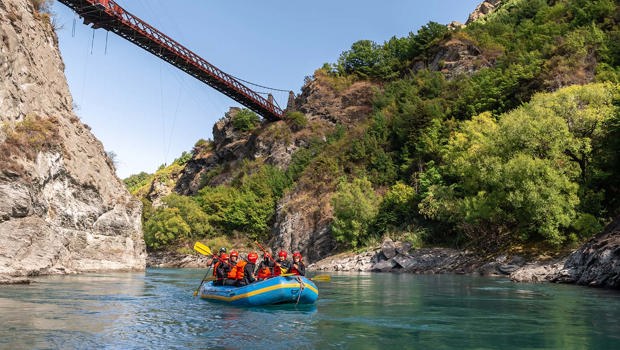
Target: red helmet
x,y
252,257
282,254
297,254
224,256
234,253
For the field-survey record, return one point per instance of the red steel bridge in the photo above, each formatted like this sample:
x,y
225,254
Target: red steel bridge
x,y
107,14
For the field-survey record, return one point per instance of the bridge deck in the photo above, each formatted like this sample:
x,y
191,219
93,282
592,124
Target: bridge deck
x,y
109,15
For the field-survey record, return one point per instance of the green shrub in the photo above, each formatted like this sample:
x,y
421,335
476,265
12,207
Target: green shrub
x,y
164,227
134,182
397,208
245,120
297,120
249,206
354,209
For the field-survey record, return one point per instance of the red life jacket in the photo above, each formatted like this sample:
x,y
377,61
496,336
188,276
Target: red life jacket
x,y
293,270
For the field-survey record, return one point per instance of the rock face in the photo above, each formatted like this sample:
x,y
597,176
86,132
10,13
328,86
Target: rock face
x,y
596,263
457,56
304,214
399,257
273,143
62,209
483,9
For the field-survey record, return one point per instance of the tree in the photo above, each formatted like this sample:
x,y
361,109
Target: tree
x,y
354,209
361,59
510,177
245,120
164,227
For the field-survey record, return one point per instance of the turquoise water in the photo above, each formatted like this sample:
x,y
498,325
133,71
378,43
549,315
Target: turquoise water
x,y
157,310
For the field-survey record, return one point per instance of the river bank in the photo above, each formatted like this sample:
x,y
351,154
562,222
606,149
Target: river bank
x,y
596,263
399,257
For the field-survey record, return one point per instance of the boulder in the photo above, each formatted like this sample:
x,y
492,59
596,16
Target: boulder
x,y
388,248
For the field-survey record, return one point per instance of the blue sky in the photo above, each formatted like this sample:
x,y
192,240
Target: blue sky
x,y
148,112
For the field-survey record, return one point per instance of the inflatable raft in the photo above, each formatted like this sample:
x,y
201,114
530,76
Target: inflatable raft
x,y
275,290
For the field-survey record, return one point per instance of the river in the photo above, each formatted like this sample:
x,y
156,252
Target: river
x,y
157,310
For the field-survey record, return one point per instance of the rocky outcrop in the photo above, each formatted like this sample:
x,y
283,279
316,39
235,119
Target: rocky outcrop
x,y
322,99
304,215
273,143
457,56
537,271
483,9
62,208
176,260
206,167
596,263
400,257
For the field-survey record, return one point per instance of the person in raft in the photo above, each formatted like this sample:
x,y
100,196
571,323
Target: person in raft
x,y
281,265
216,260
236,269
222,268
247,276
265,267
297,266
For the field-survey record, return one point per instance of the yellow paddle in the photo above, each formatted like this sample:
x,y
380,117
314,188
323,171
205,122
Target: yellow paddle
x,y
204,250
317,278
321,278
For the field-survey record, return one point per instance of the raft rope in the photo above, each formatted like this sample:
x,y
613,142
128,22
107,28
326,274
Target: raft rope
x,y
301,288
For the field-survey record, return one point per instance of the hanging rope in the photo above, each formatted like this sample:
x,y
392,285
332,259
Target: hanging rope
x,y
105,52
301,288
92,42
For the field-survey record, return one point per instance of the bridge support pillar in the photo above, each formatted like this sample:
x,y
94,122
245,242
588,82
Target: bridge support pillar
x,y
290,104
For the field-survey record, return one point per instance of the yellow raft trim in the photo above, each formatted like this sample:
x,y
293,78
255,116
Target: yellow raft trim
x,y
256,292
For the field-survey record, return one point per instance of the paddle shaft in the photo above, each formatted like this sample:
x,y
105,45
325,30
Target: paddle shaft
x,y
203,281
264,251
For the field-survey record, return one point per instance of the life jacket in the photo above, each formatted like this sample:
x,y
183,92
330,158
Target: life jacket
x,y
293,270
232,274
283,268
215,266
240,267
264,272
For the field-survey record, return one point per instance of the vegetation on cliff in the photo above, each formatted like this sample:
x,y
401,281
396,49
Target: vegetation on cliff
x,y
523,148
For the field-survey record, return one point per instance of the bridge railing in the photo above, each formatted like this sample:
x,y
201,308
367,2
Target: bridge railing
x,y
116,12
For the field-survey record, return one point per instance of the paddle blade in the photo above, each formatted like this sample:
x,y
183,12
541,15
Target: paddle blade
x,y
321,278
202,249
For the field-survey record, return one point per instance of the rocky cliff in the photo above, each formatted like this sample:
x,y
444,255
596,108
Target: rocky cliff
x,y
595,264
484,9
305,213
62,208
